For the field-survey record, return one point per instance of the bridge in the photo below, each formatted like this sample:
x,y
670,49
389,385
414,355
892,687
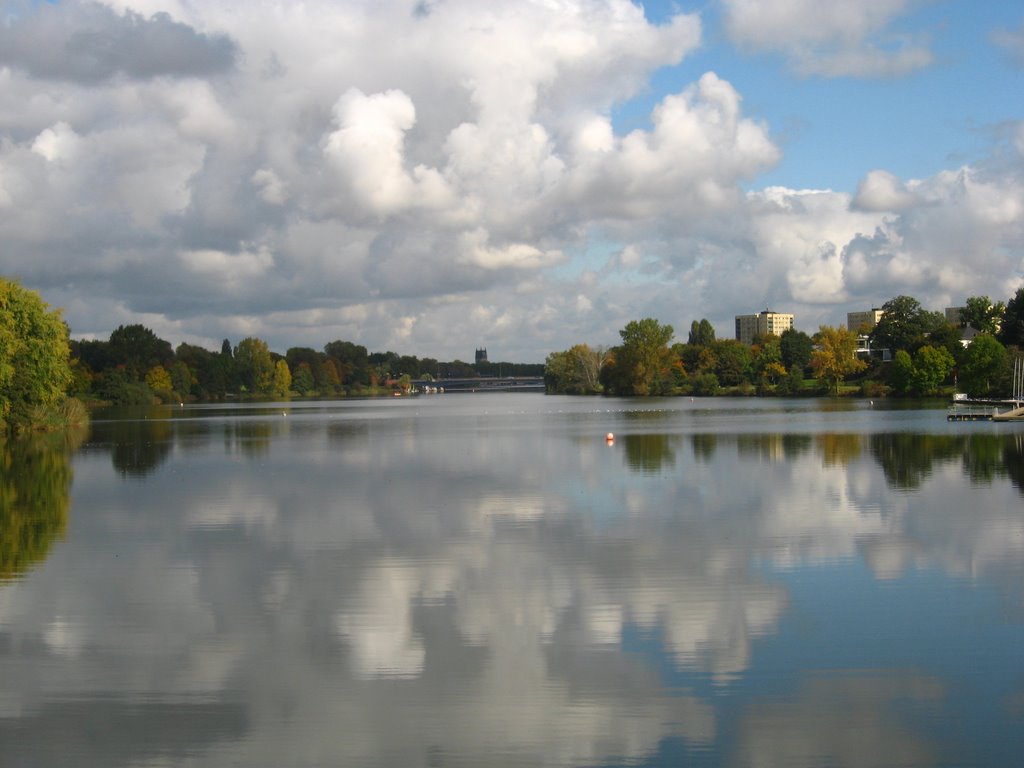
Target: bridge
x,y
483,384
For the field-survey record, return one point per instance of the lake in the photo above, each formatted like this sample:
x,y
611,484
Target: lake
x,y
488,580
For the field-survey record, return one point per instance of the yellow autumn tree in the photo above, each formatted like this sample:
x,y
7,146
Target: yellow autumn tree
x,y
282,379
835,356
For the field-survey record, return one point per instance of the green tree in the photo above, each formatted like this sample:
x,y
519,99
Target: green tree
x,y
795,347
211,373
982,314
705,384
984,364
644,360
1012,331
931,367
702,333
577,371
734,362
949,337
182,378
34,355
793,382
901,372
904,324
352,365
835,357
768,360
303,381
255,365
138,349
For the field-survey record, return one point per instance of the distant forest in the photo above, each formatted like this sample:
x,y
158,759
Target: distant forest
x,y
134,365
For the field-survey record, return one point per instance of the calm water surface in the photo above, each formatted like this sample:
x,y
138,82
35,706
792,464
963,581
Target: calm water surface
x,y
483,580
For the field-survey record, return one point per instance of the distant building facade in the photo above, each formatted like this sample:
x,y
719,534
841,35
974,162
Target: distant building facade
x,y
481,355
749,327
953,315
855,321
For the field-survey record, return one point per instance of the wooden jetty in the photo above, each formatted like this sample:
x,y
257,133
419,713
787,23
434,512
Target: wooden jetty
x,y
1017,414
967,410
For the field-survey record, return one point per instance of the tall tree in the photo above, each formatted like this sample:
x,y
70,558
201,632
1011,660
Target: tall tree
x,y
931,367
795,347
901,372
302,380
904,324
644,360
702,333
984,365
211,372
352,362
1012,331
577,371
282,379
138,349
982,314
734,362
252,356
836,356
34,354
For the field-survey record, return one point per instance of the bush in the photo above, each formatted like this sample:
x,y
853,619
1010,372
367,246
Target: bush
x,y
119,389
706,384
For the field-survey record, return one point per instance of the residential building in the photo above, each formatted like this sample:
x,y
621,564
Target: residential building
x,y
863,321
749,327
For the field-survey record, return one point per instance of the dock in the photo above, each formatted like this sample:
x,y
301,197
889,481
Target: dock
x,y
1017,414
972,413
966,409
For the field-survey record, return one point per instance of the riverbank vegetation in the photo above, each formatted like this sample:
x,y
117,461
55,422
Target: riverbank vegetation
x,y
911,352
134,366
45,376
35,371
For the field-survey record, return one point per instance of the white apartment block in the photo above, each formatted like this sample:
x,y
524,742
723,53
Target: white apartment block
x,y
748,327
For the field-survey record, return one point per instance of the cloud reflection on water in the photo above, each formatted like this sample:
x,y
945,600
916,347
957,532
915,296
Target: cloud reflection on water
x,y
395,593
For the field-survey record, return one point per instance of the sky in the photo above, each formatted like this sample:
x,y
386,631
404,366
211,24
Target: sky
x,y
434,176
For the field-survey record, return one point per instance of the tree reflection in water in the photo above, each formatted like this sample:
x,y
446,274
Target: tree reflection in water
x,y
35,481
649,454
907,459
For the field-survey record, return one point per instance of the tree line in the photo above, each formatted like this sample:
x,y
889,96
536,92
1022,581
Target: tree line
x,y
45,375
135,365
915,352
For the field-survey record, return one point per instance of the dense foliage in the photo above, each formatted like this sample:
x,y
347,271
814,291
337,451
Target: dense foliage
x,y
835,356
137,367
913,352
34,368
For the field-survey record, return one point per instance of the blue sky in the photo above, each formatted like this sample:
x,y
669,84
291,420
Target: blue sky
x,y
432,177
833,130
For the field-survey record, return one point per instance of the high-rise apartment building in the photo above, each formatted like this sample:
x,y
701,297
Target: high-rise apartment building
x,y
748,327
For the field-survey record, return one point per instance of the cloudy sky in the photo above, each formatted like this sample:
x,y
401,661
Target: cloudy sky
x,y
431,176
